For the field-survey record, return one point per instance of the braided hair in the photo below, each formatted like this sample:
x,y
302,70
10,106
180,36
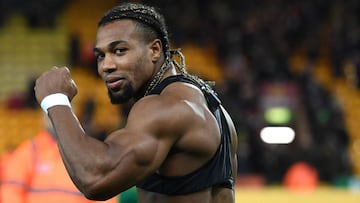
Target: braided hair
x,y
153,24
147,17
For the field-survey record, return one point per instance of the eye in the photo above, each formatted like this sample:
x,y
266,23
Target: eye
x,y
99,57
119,51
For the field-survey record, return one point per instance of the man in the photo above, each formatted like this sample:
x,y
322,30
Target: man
x,y
35,173
178,144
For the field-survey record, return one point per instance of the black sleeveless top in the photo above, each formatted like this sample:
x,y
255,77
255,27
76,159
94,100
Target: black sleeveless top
x,y
218,171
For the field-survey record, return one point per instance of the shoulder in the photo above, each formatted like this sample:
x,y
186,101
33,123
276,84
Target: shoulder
x,y
28,147
23,148
21,158
176,109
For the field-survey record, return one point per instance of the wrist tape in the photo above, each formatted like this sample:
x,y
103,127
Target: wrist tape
x,y
57,99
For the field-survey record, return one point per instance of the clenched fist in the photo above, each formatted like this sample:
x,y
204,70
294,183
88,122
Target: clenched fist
x,y
56,80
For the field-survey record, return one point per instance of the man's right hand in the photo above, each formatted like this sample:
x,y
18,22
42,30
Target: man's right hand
x,y
55,80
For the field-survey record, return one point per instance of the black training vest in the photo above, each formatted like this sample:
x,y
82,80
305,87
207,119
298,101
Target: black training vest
x,y
218,171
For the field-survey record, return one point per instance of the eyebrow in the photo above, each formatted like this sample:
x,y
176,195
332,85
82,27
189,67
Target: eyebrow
x,y
110,46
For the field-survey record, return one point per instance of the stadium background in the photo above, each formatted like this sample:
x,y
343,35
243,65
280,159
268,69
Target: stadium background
x,y
302,56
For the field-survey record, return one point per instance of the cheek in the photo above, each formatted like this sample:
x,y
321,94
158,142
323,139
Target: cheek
x,y
143,71
98,69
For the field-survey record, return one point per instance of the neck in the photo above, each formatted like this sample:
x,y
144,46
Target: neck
x,y
160,75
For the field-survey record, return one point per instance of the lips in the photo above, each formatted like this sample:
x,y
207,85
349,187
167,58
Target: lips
x,y
114,83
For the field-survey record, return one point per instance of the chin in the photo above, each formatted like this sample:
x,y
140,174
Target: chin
x,y
121,97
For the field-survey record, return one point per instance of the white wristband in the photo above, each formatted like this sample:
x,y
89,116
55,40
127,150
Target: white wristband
x,y
54,100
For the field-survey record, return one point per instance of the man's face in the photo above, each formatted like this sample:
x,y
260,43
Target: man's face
x,y
123,60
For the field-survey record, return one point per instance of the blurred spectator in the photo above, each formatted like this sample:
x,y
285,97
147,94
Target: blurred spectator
x,y
329,135
34,173
74,52
42,13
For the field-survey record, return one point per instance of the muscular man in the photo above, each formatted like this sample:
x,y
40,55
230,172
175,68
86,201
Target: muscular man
x,y
178,144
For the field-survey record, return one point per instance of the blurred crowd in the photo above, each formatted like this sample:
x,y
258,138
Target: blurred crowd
x,y
38,13
254,42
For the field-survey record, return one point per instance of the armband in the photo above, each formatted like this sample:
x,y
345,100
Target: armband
x,y
57,99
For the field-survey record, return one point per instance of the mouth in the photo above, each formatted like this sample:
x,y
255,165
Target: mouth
x,y
114,83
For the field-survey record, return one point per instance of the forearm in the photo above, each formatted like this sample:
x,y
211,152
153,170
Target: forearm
x,y
82,154
93,165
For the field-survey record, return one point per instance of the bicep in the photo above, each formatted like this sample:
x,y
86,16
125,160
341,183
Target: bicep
x,y
142,152
135,154
148,134
139,149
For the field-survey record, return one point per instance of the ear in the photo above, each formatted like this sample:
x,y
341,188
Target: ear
x,y
155,50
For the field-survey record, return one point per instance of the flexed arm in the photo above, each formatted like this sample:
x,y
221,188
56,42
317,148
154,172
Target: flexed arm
x,y
103,169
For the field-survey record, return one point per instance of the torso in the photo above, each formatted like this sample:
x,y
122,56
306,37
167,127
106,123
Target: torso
x,y
193,150
211,195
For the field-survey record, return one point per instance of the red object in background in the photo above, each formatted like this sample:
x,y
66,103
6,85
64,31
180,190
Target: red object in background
x,y
301,176
16,101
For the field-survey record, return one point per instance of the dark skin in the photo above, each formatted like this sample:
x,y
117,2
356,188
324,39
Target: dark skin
x,y
176,120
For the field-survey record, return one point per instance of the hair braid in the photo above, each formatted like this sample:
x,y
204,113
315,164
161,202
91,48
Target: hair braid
x,y
143,14
182,69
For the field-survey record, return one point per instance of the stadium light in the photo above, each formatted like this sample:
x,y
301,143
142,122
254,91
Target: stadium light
x,y
278,115
277,135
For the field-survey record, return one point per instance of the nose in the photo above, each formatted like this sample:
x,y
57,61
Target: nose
x,y
108,64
